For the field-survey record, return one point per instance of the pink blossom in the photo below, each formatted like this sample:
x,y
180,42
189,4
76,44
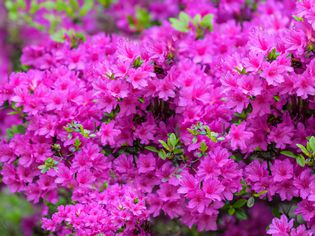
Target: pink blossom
x,y
282,170
212,189
273,73
198,201
280,227
146,163
108,133
238,136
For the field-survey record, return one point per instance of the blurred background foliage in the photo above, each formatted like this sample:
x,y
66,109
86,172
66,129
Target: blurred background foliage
x,y
14,211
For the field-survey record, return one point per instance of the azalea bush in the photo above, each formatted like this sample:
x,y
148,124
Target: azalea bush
x,y
170,117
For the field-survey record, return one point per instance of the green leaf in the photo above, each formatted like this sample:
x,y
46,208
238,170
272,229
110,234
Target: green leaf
x,y
131,21
152,149
15,129
12,113
173,140
77,143
241,215
193,131
74,4
143,17
304,150
196,20
164,144
239,203
162,154
138,62
178,25
300,160
194,140
61,5
49,5
277,98
288,153
312,144
178,151
221,139
276,212
298,19
106,3
242,72
56,147
185,18
49,163
231,211
20,129
41,167
9,5
208,131
207,22
203,147
273,55
260,193
59,36
34,7
87,6
21,4
250,202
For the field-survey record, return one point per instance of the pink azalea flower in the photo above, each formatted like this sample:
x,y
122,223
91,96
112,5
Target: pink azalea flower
x,y
250,85
273,73
306,209
64,175
146,163
188,183
282,134
303,183
237,100
108,133
305,86
238,136
301,231
213,189
208,168
280,227
139,79
167,192
282,170
198,201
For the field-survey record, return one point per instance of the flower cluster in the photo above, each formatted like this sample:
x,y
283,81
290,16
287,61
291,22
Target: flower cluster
x,y
115,209
192,119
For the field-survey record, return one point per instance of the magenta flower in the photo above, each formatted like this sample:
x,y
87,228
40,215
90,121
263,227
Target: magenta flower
x,y
146,163
303,183
306,209
305,86
301,231
273,73
167,192
250,85
139,79
213,189
108,133
235,87
198,201
280,227
188,183
238,136
282,134
282,170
